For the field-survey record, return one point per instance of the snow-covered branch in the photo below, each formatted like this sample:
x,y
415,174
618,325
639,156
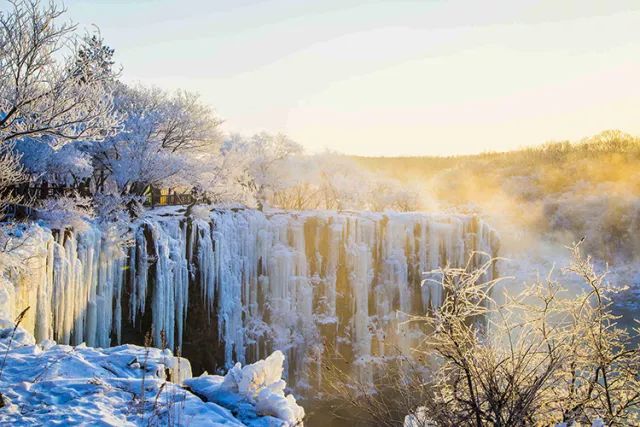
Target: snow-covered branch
x,y
46,87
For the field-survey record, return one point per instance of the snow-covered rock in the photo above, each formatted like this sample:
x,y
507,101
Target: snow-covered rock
x,y
51,384
418,419
256,392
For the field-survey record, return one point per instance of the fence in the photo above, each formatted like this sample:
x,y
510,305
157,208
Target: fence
x,y
155,197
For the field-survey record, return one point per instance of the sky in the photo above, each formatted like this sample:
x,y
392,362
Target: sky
x,y
389,77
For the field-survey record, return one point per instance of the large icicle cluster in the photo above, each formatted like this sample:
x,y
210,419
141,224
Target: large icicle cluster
x,y
72,284
284,281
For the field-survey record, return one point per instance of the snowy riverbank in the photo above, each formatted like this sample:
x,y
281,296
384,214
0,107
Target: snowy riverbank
x,y
128,385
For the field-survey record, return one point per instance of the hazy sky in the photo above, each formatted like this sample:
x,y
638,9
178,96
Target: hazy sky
x,y
389,77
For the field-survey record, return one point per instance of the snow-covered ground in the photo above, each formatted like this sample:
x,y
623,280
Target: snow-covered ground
x,y
128,385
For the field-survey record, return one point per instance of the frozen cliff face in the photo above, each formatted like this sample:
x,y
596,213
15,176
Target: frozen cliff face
x,y
251,283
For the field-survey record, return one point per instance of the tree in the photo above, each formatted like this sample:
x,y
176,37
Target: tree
x,y
187,124
159,133
43,91
540,357
94,59
261,158
11,174
298,185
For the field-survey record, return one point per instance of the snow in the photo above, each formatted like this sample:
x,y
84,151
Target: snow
x,y
418,419
259,384
51,384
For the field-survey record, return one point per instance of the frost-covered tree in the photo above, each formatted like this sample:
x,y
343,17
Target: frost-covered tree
x,y
67,165
216,175
46,87
299,187
333,181
159,132
260,160
539,357
385,193
11,174
94,59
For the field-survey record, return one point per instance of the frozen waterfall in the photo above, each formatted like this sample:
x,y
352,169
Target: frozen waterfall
x,y
239,284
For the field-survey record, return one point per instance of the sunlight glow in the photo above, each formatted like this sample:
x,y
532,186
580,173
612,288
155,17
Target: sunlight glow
x,y
390,77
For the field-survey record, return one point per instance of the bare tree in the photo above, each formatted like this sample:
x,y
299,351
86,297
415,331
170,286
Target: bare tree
x,y
540,357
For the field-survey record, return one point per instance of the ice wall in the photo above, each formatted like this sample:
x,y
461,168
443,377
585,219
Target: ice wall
x,y
295,282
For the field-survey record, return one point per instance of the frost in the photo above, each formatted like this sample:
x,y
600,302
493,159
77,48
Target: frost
x,y
418,419
61,213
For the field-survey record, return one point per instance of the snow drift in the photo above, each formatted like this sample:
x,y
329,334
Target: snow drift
x,y
127,386
252,391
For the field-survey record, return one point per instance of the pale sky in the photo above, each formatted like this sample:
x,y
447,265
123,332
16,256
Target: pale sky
x,y
389,77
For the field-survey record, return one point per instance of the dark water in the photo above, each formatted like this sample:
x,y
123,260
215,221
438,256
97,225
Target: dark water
x,y
323,413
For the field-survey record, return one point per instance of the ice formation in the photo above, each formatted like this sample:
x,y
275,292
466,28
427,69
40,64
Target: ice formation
x,y
293,282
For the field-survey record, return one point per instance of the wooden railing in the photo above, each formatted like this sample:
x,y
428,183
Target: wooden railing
x,y
154,199
30,194
41,192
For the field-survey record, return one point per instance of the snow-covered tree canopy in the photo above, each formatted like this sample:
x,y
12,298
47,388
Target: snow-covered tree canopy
x,y
46,87
66,165
260,160
159,132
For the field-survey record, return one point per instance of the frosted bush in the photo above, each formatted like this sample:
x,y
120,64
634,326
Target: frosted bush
x,y
418,419
61,213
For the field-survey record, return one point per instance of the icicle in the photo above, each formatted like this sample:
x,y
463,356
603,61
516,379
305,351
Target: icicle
x,y
276,281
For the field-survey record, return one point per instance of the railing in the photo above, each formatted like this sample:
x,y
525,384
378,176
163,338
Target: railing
x,y
30,193
17,211
170,199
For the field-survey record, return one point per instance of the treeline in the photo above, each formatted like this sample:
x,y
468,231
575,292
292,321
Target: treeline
x,y
564,190
68,121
